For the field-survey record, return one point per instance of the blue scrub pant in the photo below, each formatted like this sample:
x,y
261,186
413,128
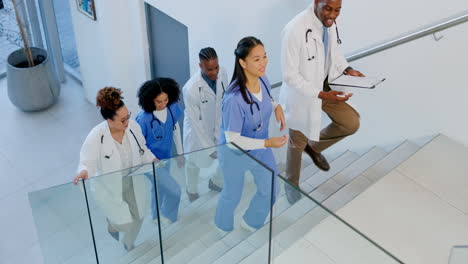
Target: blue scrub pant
x,y
234,165
168,194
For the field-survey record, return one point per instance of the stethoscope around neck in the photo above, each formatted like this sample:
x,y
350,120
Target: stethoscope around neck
x,y
252,103
161,126
204,100
141,151
308,31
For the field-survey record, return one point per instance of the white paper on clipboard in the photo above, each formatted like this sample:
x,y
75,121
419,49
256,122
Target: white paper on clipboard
x,y
356,82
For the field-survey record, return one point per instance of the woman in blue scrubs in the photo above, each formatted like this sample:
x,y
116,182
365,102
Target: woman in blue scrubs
x,y
246,111
158,120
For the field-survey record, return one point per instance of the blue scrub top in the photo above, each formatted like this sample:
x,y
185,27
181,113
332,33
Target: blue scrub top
x,y
237,117
159,135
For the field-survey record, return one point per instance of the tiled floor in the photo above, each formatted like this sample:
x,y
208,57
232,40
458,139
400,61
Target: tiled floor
x,y
425,203
37,150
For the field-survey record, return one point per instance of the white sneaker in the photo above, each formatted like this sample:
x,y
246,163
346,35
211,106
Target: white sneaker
x,y
164,221
221,232
246,226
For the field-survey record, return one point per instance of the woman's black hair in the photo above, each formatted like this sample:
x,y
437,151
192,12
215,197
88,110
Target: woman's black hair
x,y
207,54
109,99
153,88
243,49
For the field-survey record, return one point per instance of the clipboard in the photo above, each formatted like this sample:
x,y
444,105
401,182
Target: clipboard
x,y
356,82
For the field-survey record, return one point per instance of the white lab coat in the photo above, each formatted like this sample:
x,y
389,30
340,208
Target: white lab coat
x,y
107,189
303,78
202,114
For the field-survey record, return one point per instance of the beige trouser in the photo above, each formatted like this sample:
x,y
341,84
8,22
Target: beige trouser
x,y
131,229
345,122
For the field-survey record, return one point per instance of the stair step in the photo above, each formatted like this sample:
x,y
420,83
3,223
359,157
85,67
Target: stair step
x,y
237,246
359,166
336,166
334,196
138,251
201,229
285,214
441,167
391,161
372,174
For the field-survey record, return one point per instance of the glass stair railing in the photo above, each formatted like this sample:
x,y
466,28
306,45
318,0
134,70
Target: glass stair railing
x,y
145,215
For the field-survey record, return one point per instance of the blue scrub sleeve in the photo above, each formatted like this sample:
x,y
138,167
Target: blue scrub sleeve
x,y
176,111
234,115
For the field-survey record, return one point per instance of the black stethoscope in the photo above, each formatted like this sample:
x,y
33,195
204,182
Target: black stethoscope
x,y
204,100
140,150
252,103
160,125
338,40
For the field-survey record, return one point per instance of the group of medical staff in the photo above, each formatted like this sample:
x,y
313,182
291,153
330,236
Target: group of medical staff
x,y
218,112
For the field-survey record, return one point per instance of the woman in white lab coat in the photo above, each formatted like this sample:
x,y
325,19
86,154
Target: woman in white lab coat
x,y
113,146
203,95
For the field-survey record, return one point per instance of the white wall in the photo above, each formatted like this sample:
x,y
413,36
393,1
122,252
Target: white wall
x,y
364,23
424,94
110,48
221,24
114,51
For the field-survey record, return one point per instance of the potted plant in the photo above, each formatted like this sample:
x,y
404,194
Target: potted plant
x,y
32,84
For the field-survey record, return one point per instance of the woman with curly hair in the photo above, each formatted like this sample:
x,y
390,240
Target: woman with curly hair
x,y
158,120
115,145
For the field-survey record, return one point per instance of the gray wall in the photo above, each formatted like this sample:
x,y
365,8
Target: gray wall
x,y
169,51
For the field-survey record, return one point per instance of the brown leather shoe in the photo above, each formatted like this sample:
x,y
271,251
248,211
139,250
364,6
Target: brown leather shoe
x,y
319,160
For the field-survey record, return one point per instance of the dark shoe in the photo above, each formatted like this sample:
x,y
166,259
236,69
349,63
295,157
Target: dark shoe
x,y
128,248
115,235
319,160
292,194
213,186
192,196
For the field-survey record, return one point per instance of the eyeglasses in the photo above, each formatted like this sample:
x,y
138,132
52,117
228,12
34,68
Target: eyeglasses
x,y
126,119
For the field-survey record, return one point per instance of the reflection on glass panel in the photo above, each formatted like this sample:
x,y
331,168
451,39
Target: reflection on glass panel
x,y
305,228
66,33
120,213
10,38
223,213
62,225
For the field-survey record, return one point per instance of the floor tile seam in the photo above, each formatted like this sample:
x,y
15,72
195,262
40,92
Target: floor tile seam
x,y
48,173
320,248
64,163
432,192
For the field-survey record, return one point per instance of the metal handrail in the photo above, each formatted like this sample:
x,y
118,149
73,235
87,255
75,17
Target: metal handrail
x,y
447,23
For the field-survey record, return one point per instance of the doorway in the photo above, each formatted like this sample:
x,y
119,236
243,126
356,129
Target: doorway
x,y
169,50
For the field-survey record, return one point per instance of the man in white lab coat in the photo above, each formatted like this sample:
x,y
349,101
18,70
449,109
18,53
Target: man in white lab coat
x,y
203,95
310,56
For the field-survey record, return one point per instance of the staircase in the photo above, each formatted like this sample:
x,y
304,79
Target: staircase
x,y
411,202
193,239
